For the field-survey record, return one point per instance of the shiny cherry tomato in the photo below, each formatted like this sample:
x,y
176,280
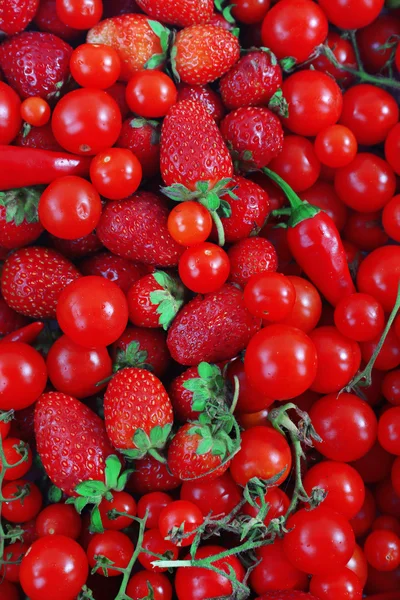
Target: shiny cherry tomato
x,y
152,504
26,507
10,107
79,14
116,173
389,355
363,520
278,503
307,307
10,571
359,317
250,398
183,516
389,430
391,218
379,275
204,268
392,148
387,523
14,449
95,66
114,545
372,38
86,121
297,164
9,590
365,230
391,387
344,54
35,111
270,296
189,223
23,375
340,585
336,146
219,496
382,550
150,94
92,311
154,542
59,519
351,14
323,195
122,502
139,585
358,564
274,571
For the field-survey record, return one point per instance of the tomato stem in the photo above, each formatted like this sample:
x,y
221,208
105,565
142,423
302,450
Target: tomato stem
x,y
353,39
138,549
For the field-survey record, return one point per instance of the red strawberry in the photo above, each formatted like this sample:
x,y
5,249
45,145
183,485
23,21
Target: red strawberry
x,y
249,257
33,279
286,595
77,248
150,475
138,412
203,53
144,348
253,81
19,221
46,19
15,15
36,64
121,271
38,137
212,328
143,138
136,38
154,300
136,228
254,136
71,441
205,95
178,12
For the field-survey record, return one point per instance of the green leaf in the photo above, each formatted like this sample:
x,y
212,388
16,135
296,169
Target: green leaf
x,y
112,471
225,210
54,494
287,63
204,446
212,201
218,448
159,435
199,405
79,503
123,479
172,57
205,370
90,488
96,524
141,440
163,279
154,61
157,27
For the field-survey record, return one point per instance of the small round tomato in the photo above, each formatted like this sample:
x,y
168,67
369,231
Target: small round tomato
x,y
378,275
115,546
189,223
14,552
389,430
218,496
358,564
323,195
9,590
307,308
141,582
5,424
382,550
69,208
92,311
318,540
281,361
250,399
297,164
86,121
95,65
35,111
359,317
10,106
375,465
250,11
154,542
204,268
121,502
365,230
277,501
344,53
336,146
152,504
389,356
55,566
388,502
179,519
372,38
150,94
351,14
14,449
338,585
23,375
391,218
363,520
264,453
116,173
392,148
391,387
274,571
270,296
387,523
59,519
26,507
79,14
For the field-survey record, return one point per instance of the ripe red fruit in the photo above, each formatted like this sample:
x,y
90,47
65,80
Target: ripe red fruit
x,y
251,256
182,12
15,15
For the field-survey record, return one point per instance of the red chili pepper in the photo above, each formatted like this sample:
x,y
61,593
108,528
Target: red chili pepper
x,y
316,245
21,167
27,334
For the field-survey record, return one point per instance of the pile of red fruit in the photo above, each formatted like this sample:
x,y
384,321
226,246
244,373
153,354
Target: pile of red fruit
x,y
200,286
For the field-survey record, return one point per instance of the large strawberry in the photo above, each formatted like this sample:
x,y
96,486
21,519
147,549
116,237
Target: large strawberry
x,y
16,14
136,38
151,475
33,279
138,413
143,138
19,221
78,248
205,95
136,228
178,12
203,53
212,328
36,64
38,137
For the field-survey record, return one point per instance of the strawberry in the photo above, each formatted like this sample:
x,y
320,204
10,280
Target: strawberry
x,y
15,15
253,81
178,12
203,53
77,248
36,64
136,38
38,137
154,300
286,595
46,19
143,138
138,413
71,441
144,348
212,328
33,279
150,475
19,221
205,95
249,257
254,135
136,228
121,271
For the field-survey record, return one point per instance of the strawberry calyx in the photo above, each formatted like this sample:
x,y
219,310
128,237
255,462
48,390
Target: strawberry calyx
x,y
6,415
93,491
215,438
164,35
169,300
226,11
140,122
149,443
21,204
132,356
209,389
279,105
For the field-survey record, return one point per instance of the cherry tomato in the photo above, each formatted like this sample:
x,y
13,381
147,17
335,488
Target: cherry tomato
x,y
35,111
69,208
79,14
86,121
26,507
116,173
389,356
115,546
23,375
250,11
392,148
278,505
152,504
294,28
59,519
139,586
122,502
323,195
340,585
10,106
359,317
370,112
346,424
391,387
270,296
95,66
391,218
14,449
93,313
150,94
335,146
363,520
154,542
182,516
8,590
189,223
358,564
389,430
366,184
379,275
204,268
250,398
264,453
365,230
14,552
5,424
343,52
55,566
387,523
219,496
351,14
281,361
375,465
307,308
274,571
297,164
370,40
387,500
382,550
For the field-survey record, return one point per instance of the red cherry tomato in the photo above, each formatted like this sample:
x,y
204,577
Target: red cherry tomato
x,y
382,550
79,14
363,520
340,585
116,173
23,375
122,502
391,218
35,111
389,430
182,516
95,66
189,223
115,546
250,11
154,542
204,268
358,564
343,52
275,571
219,496
150,94
139,585
389,355
379,274
307,308
359,317
10,106
270,296
14,449
351,14
152,504
391,387
371,39
297,164
59,519
26,507
336,146
250,398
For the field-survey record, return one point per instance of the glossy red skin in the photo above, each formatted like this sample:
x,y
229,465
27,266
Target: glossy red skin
x,y
344,54
307,308
275,571
336,146
389,430
392,145
82,14
10,110
121,271
116,173
391,218
358,564
115,546
46,19
371,38
349,443
11,571
152,341
250,399
143,138
59,519
351,14
264,453
204,268
297,164
341,584
364,229
323,195
12,456
190,223
378,275
150,476
150,94
382,550
180,514
251,12
251,256
95,66
138,586
389,356
391,387
122,502
155,542
270,296
27,334
152,504
24,509
219,496
278,505
23,375
375,465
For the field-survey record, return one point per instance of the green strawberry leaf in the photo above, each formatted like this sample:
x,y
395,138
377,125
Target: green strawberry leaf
x,y
79,503
112,471
225,210
123,480
96,524
207,371
287,63
204,446
89,489
279,105
169,300
172,57
132,356
154,61
21,204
